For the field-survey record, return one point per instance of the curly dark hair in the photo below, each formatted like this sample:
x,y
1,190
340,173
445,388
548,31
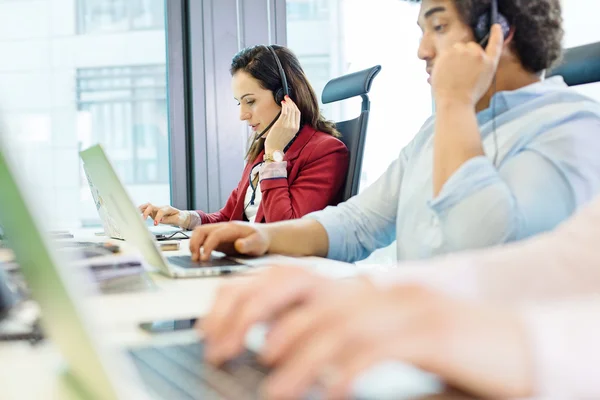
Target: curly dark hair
x,y
538,27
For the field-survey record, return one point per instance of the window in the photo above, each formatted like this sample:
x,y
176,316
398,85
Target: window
x,y
126,108
119,15
63,91
344,42
303,10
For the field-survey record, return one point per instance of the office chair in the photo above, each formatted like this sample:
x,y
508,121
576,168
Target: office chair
x,y
580,65
353,131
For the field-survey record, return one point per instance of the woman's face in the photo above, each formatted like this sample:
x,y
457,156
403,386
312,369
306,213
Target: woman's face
x,y
257,105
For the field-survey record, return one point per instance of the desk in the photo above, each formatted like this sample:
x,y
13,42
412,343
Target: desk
x,y
28,372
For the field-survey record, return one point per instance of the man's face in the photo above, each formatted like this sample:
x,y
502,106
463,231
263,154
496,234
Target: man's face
x,y
442,27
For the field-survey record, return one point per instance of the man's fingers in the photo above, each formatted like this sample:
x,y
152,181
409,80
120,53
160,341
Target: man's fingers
x,y
197,239
225,234
253,245
230,299
495,44
294,377
295,326
350,364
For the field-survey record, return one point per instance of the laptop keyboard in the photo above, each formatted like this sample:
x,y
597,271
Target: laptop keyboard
x,y
186,262
179,372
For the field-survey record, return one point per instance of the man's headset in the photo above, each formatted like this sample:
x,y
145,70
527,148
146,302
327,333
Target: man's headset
x,y
482,31
482,28
279,94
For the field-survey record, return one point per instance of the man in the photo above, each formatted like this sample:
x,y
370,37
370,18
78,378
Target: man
x,y
486,322
480,172
516,321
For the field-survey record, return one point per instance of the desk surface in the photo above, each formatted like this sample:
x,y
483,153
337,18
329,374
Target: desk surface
x,y
31,372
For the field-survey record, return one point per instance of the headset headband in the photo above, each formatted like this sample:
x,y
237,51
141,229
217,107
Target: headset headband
x,y
284,84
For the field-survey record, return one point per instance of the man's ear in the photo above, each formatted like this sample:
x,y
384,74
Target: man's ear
x,y
510,37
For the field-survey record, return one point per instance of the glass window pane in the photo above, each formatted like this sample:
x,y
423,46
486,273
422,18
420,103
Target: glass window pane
x,y
351,35
96,16
336,37
76,73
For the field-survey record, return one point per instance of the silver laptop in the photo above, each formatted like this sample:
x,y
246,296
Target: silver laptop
x,y
96,370
111,228
126,217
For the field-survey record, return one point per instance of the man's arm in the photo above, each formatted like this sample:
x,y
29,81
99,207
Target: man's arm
x,y
554,265
367,221
348,232
298,238
456,141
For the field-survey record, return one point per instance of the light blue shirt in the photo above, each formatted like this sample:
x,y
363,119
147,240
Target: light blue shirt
x,y
548,164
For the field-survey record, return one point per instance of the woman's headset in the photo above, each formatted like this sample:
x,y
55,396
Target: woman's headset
x,y
279,94
284,90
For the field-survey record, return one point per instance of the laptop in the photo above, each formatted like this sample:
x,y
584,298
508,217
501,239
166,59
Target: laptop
x,y
95,369
171,371
128,220
111,229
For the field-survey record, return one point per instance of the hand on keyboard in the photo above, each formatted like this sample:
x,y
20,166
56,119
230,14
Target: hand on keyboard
x,y
330,333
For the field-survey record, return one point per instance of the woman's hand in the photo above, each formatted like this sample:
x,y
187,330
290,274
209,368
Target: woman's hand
x,y
286,127
161,214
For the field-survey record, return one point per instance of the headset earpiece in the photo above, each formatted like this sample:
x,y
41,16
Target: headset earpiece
x,y
279,95
481,30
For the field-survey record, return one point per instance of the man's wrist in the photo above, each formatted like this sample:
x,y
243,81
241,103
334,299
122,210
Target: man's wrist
x,y
453,100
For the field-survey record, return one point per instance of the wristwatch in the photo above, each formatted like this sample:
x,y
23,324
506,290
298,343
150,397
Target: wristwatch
x,y
276,156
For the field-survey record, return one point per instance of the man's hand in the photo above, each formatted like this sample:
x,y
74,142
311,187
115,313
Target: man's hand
x,y
261,298
229,238
348,327
464,72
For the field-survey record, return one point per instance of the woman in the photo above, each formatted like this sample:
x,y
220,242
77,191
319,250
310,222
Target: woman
x,y
295,164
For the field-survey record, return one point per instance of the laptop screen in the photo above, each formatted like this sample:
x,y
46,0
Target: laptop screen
x,y
119,205
108,223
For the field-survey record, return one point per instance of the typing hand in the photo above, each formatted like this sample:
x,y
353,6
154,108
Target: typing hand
x,y
229,238
240,305
465,71
161,214
351,326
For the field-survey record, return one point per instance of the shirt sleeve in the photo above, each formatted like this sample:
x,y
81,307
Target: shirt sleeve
x,y
564,342
367,221
551,266
189,220
532,191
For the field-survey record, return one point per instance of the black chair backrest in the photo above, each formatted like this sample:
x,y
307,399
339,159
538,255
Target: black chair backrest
x,y
580,65
353,131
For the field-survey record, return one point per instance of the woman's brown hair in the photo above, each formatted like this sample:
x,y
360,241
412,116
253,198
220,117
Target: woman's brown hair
x,y
259,62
